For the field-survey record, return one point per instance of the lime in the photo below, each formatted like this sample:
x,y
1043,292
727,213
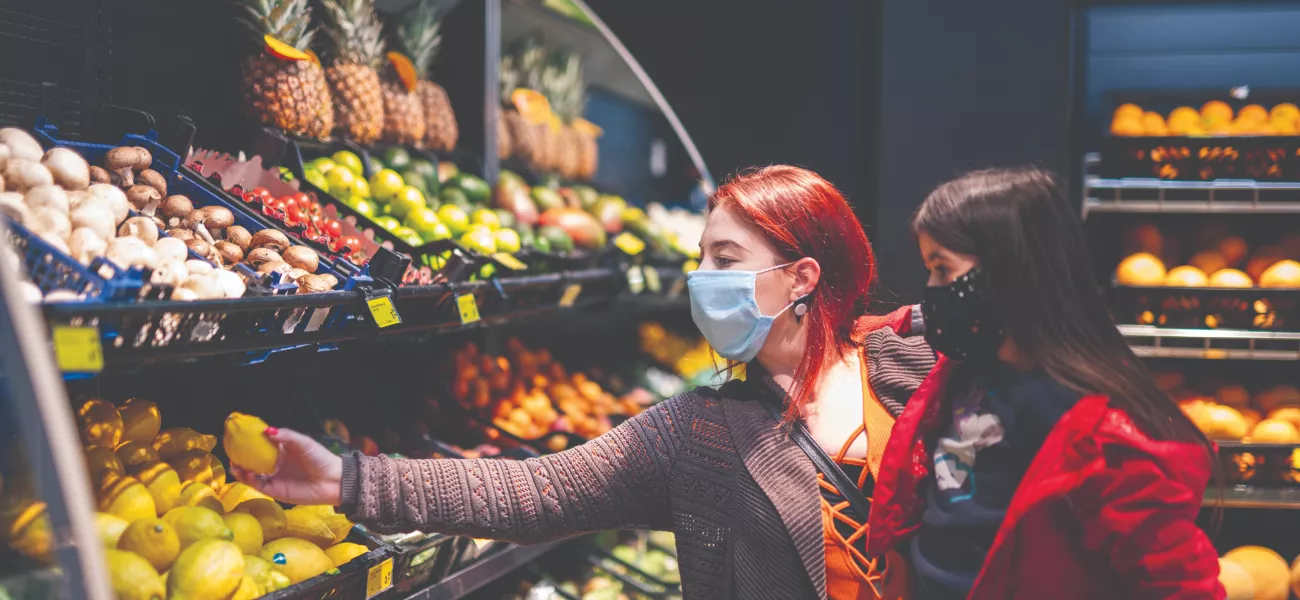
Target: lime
x,y
454,218
424,167
406,199
479,239
387,222
322,164
415,180
485,216
364,207
316,178
409,236
385,184
340,182
451,195
360,188
397,158
487,271
438,233
423,220
349,160
508,241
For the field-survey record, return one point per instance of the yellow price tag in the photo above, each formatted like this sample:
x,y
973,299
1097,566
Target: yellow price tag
x,y
468,308
509,262
383,311
77,349
629,243
652,279
379,578
570,295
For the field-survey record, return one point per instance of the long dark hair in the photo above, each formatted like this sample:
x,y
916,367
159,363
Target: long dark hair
x,y
1031,250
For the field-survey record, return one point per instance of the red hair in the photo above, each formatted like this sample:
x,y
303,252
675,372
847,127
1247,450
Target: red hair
x,y
802,215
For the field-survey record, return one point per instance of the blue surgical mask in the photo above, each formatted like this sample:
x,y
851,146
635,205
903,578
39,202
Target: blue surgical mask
x,y
724,309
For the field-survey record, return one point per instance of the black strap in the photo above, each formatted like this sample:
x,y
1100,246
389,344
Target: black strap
x,y
841,480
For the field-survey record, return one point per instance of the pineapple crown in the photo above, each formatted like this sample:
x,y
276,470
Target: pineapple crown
x,y
285,20
354,31
563,85
418,37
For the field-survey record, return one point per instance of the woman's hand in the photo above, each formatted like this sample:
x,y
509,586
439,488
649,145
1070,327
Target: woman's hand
x,y
307,473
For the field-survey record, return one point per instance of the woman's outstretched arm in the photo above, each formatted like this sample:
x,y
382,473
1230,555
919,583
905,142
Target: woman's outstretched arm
x,y
617,481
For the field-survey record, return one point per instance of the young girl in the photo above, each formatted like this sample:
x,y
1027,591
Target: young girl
x,y
1038,459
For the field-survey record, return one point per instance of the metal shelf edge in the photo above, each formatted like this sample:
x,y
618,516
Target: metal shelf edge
x,y
485,571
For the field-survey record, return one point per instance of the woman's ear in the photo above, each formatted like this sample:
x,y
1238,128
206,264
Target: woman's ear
x,y
807,273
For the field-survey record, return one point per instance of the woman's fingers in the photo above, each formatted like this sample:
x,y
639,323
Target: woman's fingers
x,y
290,438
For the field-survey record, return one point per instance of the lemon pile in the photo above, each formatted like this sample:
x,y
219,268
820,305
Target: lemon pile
x,y
174,526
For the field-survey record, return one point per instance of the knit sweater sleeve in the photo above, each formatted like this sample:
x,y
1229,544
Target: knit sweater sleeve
x,y
617,481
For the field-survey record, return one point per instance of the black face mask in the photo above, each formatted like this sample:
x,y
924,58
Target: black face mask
x,y
959,321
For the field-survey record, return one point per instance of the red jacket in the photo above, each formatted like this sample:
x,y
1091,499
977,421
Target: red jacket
x,y
1104,511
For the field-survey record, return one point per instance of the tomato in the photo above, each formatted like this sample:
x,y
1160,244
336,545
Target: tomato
x,y
261,192
333,228
302,200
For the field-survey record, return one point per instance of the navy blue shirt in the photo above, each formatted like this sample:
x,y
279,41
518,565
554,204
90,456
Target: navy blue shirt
x,y
997,422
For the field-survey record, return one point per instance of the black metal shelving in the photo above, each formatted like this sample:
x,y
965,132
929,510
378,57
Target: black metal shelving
x,y
485,571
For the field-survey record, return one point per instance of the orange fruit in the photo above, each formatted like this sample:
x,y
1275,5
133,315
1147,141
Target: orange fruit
x,y
1208,261
1267,570
1252,112
1266,129
1274,431
1285,126
1290,414
1232,395
1154,124
1283,274
1245,127
1141,269
1234,249
1183,119
1219,128
1130,127
1216,111
282,50
405,70
1263,259
1284,111
1229,278
1223,423
1186,276
1127,111
1236,581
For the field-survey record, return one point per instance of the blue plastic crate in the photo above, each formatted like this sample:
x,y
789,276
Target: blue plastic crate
x,y
50,269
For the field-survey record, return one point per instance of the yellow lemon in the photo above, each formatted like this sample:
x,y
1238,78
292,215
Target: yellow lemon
x,y
247,446
1267,570
270,514
100,423
194,523
27,530
207,570
234,494
102,462
199,494
342,553
152,539
264,574
135,455
127,498
299,559
247,531
110,528
140,421
132,577
163,484
1230,278
248,589
1236,581
339,524
1274,431
198,465
179,439
306,525
1141,269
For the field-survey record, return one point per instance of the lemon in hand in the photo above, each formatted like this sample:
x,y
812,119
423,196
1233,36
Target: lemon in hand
x,y
246,444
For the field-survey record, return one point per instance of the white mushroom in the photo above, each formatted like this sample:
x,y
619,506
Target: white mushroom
x,y
171,249
12,205
131,252
85,245
169,272
59,243
140,227
5,153
22,174
21,144
49,222
199,267
205,287
49,195
232,285
184,295
69,169
30,292
56,296
116,200
96,217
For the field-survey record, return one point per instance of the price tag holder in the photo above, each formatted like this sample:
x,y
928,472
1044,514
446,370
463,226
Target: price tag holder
x,y
652,282
382,309
468,307
379,578
570,295
635,279
509,261
629,244
77,349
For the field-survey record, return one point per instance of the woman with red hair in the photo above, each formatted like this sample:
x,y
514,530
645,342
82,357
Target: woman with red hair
x,y
783,285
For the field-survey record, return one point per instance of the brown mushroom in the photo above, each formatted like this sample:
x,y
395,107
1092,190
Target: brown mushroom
x,y
144,198
143,228
312,284
302,257
176,207
195,221
154,180
146,159
239,236
230,253
99,175
219,218
275,266
294,274
122,160
332,280
199,247
181,234
270,238
260,256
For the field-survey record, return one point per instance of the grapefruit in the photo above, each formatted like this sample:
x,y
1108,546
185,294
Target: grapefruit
x,y
1186,276
1141,269
1274,431
1283,274
1270,574
1236,581
1229,278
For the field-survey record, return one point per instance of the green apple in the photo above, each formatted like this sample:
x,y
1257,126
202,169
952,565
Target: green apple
x,y
508,241
360,188
423,220
351,161
365,207
454,218
486,216
322,164
340,182
385,184
316,178
479,239
409,236
405,200
387,222
439,232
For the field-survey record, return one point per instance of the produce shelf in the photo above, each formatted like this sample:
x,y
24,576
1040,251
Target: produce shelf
x,y
1211,344
1190,197
483,572
1245,496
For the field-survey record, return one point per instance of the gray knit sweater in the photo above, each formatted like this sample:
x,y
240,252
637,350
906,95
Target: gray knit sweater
x,y
717,471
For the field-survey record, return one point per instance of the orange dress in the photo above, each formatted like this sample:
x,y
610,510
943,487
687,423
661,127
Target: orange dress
x,y
850,573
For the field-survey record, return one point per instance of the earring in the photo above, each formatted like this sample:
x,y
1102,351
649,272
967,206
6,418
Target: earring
x,y
800,309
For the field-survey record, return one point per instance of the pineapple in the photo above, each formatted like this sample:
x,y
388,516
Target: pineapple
x,y
419,39
289,94
566,91
522,68
404,122
353,30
